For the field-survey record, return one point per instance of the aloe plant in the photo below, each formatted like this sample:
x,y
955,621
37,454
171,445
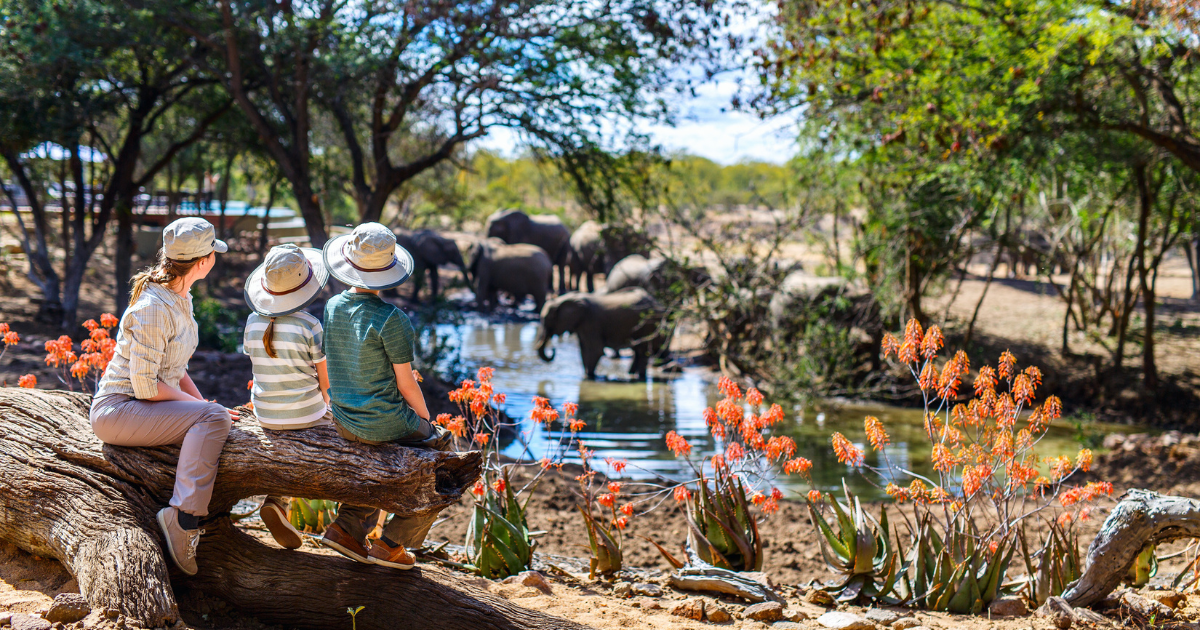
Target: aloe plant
x,y
605,547
1058,564
860,551
721,529
312,515
498,540
960,574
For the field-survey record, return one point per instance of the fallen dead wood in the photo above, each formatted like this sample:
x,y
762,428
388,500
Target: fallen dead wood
x,y
1141,518
64,494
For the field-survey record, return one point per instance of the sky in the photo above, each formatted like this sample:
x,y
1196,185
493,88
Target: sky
x,y
705,125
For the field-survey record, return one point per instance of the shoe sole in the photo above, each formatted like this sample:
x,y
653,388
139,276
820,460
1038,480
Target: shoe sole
x,y
281,530
162,525
345,552
390,564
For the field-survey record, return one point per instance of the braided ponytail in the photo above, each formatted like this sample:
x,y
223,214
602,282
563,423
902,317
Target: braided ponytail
x,y
269,339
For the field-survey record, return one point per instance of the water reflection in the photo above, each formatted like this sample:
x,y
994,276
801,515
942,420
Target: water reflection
x,y
628,420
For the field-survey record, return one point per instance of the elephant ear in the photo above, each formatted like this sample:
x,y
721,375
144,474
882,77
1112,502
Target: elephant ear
x,y
571,312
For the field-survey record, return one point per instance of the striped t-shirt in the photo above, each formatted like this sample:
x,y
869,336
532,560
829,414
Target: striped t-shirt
x,y
286,393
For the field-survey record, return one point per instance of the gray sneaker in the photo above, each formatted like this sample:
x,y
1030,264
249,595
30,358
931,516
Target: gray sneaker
x,y
181,543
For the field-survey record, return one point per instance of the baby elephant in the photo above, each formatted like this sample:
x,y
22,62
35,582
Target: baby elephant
x,y
628,318
518,270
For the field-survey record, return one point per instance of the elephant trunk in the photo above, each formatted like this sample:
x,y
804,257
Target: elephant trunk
x,y
543,340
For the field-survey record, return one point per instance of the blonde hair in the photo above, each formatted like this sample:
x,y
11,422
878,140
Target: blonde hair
x,y
165,271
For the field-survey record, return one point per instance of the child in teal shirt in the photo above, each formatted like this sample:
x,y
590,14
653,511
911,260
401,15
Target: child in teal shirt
x,y
373,391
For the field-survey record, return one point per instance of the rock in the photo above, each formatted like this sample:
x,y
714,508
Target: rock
x,y
786,625
58,625
29,622
68,608
650,604
622,590
844,621
795,615
112,613
535,580
1059,612
717,614
1146,607
906,623
647,589
690,609
5,619
820,598
1170,599
1008,607
765,611
883,616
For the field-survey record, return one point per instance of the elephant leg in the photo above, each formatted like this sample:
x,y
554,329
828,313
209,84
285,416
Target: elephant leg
x,y
640,360
590,353
433,283
591,282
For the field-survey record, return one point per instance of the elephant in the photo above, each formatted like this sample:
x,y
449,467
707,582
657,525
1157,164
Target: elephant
x,y
652,274
431,250
629,318
519,270
545,231
587,255
803,298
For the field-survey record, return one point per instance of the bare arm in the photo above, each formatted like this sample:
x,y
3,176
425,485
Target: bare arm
x,y
189,392
323,379
166,392
410,389
189,387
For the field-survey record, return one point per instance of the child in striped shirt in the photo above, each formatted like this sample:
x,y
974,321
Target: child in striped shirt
x,y
285,345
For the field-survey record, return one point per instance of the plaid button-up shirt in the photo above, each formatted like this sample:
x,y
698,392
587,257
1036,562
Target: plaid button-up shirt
x,y
155,340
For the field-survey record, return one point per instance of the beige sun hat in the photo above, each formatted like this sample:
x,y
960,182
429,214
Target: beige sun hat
x,y
190,238
288,280
368,258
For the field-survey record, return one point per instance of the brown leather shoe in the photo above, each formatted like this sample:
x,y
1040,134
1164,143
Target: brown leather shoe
x,y
275,518
337,539
395,557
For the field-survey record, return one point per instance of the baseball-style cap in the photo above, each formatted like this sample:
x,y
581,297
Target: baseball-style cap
x,y
288,280
368,258
190,238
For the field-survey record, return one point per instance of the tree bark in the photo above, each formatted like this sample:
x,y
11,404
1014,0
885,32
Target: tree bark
x,y
1142,517
64,494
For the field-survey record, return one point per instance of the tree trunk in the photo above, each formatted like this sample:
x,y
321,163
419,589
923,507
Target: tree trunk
x,y
64,494
264,230
123,265
1141,518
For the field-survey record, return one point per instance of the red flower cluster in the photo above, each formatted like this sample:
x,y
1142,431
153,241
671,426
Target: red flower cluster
x,y
28,381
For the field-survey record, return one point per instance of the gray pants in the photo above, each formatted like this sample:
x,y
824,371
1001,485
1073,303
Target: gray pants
x,y
200,428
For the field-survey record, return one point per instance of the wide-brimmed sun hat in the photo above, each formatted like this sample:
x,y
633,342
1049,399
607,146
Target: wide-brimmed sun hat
x,y
287,281
189,238
368,258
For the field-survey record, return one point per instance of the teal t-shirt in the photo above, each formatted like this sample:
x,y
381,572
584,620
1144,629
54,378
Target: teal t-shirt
x,y
364,337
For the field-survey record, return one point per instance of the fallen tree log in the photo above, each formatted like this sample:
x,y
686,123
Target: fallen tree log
x,y
66,495
1141,518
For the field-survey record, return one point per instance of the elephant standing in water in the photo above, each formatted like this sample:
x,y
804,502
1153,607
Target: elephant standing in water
x,y
544,230
587,255
518,270
431,250
624,319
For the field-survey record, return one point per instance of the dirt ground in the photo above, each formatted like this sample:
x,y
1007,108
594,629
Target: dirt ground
x,y
28,583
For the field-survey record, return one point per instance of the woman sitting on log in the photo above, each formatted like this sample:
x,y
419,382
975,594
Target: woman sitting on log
x,y
285,346
146,397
